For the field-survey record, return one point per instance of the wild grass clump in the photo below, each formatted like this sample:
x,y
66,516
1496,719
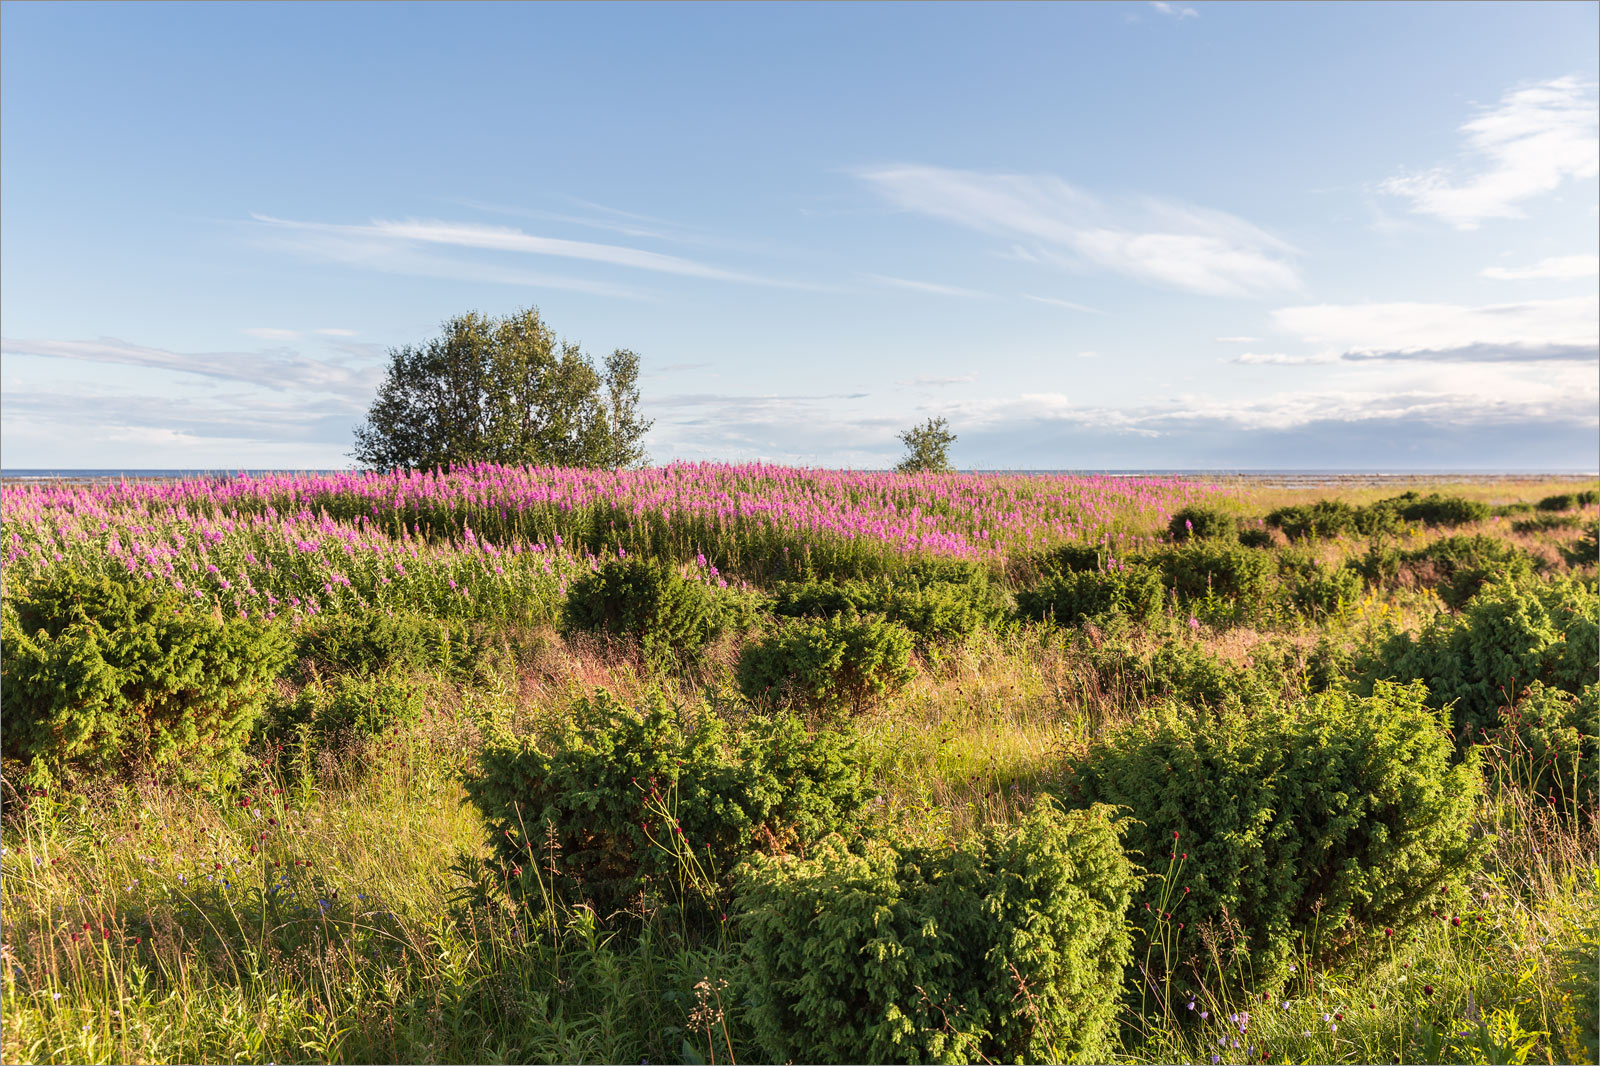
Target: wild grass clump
x,y
1006,947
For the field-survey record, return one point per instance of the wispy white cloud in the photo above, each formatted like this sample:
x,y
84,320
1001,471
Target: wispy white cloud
x,y
1280,359
1172,244
1177,11
1537,137
1556,268
1402,327
279,369
1237,340
381,237
337,332
1068,304
923,380
931,287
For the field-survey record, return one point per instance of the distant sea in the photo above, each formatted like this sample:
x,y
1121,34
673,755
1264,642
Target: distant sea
x,y
1301,477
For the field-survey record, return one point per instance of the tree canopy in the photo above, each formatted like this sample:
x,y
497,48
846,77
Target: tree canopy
x,y
927,448
503,390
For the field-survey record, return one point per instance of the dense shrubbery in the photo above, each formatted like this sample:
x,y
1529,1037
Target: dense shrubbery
x,y
103,673
1543,523
1455,567
1182,673
659,800
1008,947
1507,637
1133,592
1583,550
343,709
1568,501
1546,743
1200,522
1308,825
936,612
668,615
1332,518
1255,537
1220,571
827,664
370,642
1321,591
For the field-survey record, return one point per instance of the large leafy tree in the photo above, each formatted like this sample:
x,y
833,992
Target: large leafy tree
x,y
927,448
503,390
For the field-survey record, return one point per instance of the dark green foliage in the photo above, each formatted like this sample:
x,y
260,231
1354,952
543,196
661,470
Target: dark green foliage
x,y
927,448
1073,558
1568,501
502,390
936,612
1458,566
349,708
371,642
1320,591
1332,518
1505,510
1436,510
102,673
1133,592
1543,523
1255,537
1325,518
1217,570
1313,825
1009,947
1507,637
1185,674
659,799
1199,522
827,664
1546,743
1583,550
668,615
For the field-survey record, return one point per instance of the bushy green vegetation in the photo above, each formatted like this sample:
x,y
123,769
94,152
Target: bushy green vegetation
x,y
1297,830
107,675
667,615
1569,501
1008,947
657,804
844,661
446,824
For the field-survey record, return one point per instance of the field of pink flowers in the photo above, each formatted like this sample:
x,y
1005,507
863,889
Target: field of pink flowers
x,y
503,541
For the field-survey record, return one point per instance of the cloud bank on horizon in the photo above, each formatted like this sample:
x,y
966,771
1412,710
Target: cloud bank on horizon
x,y
1128,237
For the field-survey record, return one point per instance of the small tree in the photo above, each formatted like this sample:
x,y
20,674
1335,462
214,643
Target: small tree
x,y
927,448
503,390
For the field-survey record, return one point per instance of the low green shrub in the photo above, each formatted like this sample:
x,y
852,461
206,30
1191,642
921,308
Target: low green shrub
x,y
1007,947
1182,673
1324,592
1583,551
1309,826
1569,501
1546,744
1219,571
1325,518
1133,592
1255,537
370,642
1435,509
1458,566
341,709
104,673
668,615
658,800
1202,522
827,664
1508,636
1543,523
936,612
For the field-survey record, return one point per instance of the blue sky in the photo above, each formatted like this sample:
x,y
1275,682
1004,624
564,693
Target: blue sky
x,y
1177,235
